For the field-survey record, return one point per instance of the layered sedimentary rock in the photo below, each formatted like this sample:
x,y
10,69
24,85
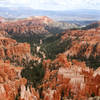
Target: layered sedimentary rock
x,y
28,26
64,78
85,45
43,19
69,80
12,86
13,51
83,41
23,28
34,25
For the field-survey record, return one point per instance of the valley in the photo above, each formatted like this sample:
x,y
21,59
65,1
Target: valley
x,y
44,59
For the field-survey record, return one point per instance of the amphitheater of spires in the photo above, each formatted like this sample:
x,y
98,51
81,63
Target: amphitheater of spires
x,y
64,79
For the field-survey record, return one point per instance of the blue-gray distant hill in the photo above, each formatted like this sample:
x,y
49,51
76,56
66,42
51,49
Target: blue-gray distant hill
x,y
82,16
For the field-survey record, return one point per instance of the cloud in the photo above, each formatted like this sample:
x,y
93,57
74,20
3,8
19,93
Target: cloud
x,y
53,4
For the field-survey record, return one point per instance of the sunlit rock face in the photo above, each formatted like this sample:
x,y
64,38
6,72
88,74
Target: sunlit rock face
x,y
72,80
26,27
9,81
11,50
36,25
64,79
12,85
85,46
44,19
83,42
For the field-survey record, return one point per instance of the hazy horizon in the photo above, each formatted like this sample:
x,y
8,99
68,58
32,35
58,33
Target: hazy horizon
x,y
55,5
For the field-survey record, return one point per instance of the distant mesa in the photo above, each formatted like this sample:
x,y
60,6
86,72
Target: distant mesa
x,y
43,19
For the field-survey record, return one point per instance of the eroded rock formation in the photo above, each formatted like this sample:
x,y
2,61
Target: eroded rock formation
x,y
66,77
13,51
85,45
12,85
70,80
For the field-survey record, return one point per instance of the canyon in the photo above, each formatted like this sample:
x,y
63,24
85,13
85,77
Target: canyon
x,y
26,73
33,25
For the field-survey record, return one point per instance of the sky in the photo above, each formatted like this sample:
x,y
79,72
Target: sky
x,y
52,4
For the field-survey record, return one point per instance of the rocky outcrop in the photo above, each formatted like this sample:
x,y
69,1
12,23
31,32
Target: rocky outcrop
x,y
39,25
69,80
43,19
24,27
63,80
66,77
12,86
13,51
27,27
85,45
